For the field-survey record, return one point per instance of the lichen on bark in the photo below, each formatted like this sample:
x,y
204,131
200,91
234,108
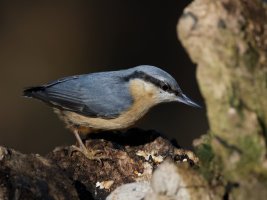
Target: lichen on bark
x,y
228,41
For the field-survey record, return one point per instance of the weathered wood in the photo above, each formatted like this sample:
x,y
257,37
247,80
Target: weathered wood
x,y
227,39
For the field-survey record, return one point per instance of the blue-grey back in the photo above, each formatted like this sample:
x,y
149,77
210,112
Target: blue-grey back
x,y
103,94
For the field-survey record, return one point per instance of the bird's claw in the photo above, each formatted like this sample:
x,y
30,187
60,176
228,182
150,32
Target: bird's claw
x,y
91,154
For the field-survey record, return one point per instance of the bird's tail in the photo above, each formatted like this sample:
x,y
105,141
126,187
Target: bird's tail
x,y
34,92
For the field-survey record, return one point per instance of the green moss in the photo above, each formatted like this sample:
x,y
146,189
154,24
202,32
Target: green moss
x,y
205,153
253,152
250,58
206,156
234,101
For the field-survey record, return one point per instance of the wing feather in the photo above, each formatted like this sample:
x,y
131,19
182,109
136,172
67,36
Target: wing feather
x,y
94,95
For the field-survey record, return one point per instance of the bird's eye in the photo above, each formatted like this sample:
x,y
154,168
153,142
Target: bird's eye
x,y
165,87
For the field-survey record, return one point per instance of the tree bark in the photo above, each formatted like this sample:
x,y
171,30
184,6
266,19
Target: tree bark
x,y
227,39
67,174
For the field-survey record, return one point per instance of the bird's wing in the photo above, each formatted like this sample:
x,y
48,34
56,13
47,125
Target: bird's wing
x,y
98,95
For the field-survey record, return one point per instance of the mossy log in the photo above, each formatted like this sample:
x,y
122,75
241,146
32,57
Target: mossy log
x,y
227,39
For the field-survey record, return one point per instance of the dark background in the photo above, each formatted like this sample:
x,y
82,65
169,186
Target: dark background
x,y
43,41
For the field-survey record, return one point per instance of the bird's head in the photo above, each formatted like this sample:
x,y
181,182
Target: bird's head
x,y
159,84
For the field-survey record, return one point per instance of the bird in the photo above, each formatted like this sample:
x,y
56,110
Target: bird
x,y
106,101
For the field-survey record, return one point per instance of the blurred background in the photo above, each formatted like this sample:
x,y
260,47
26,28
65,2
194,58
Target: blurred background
x,y
44,40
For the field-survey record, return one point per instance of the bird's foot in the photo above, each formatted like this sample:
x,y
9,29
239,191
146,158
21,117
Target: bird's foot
x,y
91,154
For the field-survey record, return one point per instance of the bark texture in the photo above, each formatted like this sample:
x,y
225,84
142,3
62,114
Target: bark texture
x,y
67,174
227,39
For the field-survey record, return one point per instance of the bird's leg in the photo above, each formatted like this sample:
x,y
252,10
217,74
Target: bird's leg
x,y
90,154
80,142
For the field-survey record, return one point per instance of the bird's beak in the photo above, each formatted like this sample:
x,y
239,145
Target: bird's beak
x,y
184,99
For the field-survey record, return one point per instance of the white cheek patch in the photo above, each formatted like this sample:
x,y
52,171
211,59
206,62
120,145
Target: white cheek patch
x,y
156,93
167,97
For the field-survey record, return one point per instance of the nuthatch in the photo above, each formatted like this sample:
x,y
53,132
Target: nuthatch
x,y
108,100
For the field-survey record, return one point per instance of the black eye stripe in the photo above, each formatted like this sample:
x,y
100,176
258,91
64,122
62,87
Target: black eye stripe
x,y
146,77
141,75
